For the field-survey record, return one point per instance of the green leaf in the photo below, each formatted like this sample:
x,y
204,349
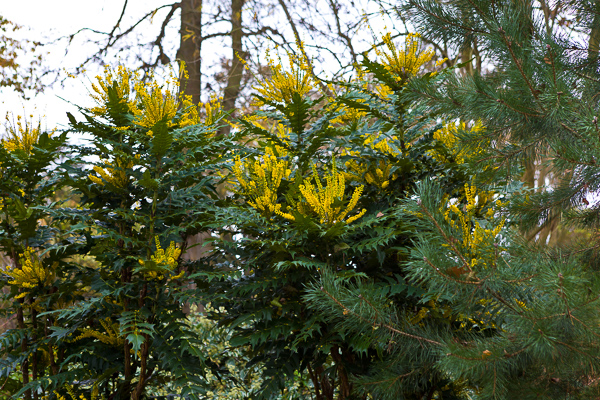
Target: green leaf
x,y
147,181
136,341
161,139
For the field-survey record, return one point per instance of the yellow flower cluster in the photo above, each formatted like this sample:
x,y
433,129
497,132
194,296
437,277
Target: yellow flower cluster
x,y
382,146
404,63
447,135
213,110
383,90
379,175
73,395
483,318
165,258
281,86
260,180
111,337
31,273
327,201
473,234
349,114
116,176
121,80
22,135
156,105
149,102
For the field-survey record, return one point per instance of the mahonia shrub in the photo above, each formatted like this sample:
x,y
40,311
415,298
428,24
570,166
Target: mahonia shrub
x,y
347,233
34,265
97,281
315,198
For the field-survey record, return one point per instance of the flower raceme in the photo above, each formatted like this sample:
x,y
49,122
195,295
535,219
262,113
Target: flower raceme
x,y
327,201
283,85
73,394
31,274
22,135
149,102
120,80
448,136
163,258
474,236
260,179
379,175
115,175
404,63
155,104
111,337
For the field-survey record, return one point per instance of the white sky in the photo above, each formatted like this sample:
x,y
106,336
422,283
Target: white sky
x,y
54,18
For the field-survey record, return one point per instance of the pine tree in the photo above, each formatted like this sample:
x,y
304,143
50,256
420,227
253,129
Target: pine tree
x,y
522,316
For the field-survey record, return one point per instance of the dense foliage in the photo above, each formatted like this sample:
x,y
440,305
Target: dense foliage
x,y
363,239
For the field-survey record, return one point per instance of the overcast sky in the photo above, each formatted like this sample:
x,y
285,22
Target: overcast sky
x,y
45,20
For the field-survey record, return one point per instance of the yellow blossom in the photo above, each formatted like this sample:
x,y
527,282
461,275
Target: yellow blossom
x,y
404,63
115,175
148,101
156,105
379,174
260,180
327,201
448,136
31,274
111,337
22,135
73,394
348,114
474,236
213,110
120,80
164,258
282,85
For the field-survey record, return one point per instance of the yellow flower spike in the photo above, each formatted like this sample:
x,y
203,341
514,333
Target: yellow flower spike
x,y
149,102
282,85
156,105
447,135
122,79
379,175
22,134
59,396
112,337
259,181
116,176
326,201
474,237
163,257
31,274
404,63
213,110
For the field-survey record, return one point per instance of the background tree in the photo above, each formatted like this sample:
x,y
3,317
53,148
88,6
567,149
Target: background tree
x,y
15,54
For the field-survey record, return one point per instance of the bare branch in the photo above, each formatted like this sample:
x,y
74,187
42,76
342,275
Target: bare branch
x,y
116,26
323,87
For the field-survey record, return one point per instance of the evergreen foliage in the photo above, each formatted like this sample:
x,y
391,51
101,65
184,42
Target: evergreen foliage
x,y
366,236
319,196
521,316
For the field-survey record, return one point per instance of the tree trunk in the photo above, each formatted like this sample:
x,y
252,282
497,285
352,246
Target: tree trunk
x,y
594,42
190,45
234,79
